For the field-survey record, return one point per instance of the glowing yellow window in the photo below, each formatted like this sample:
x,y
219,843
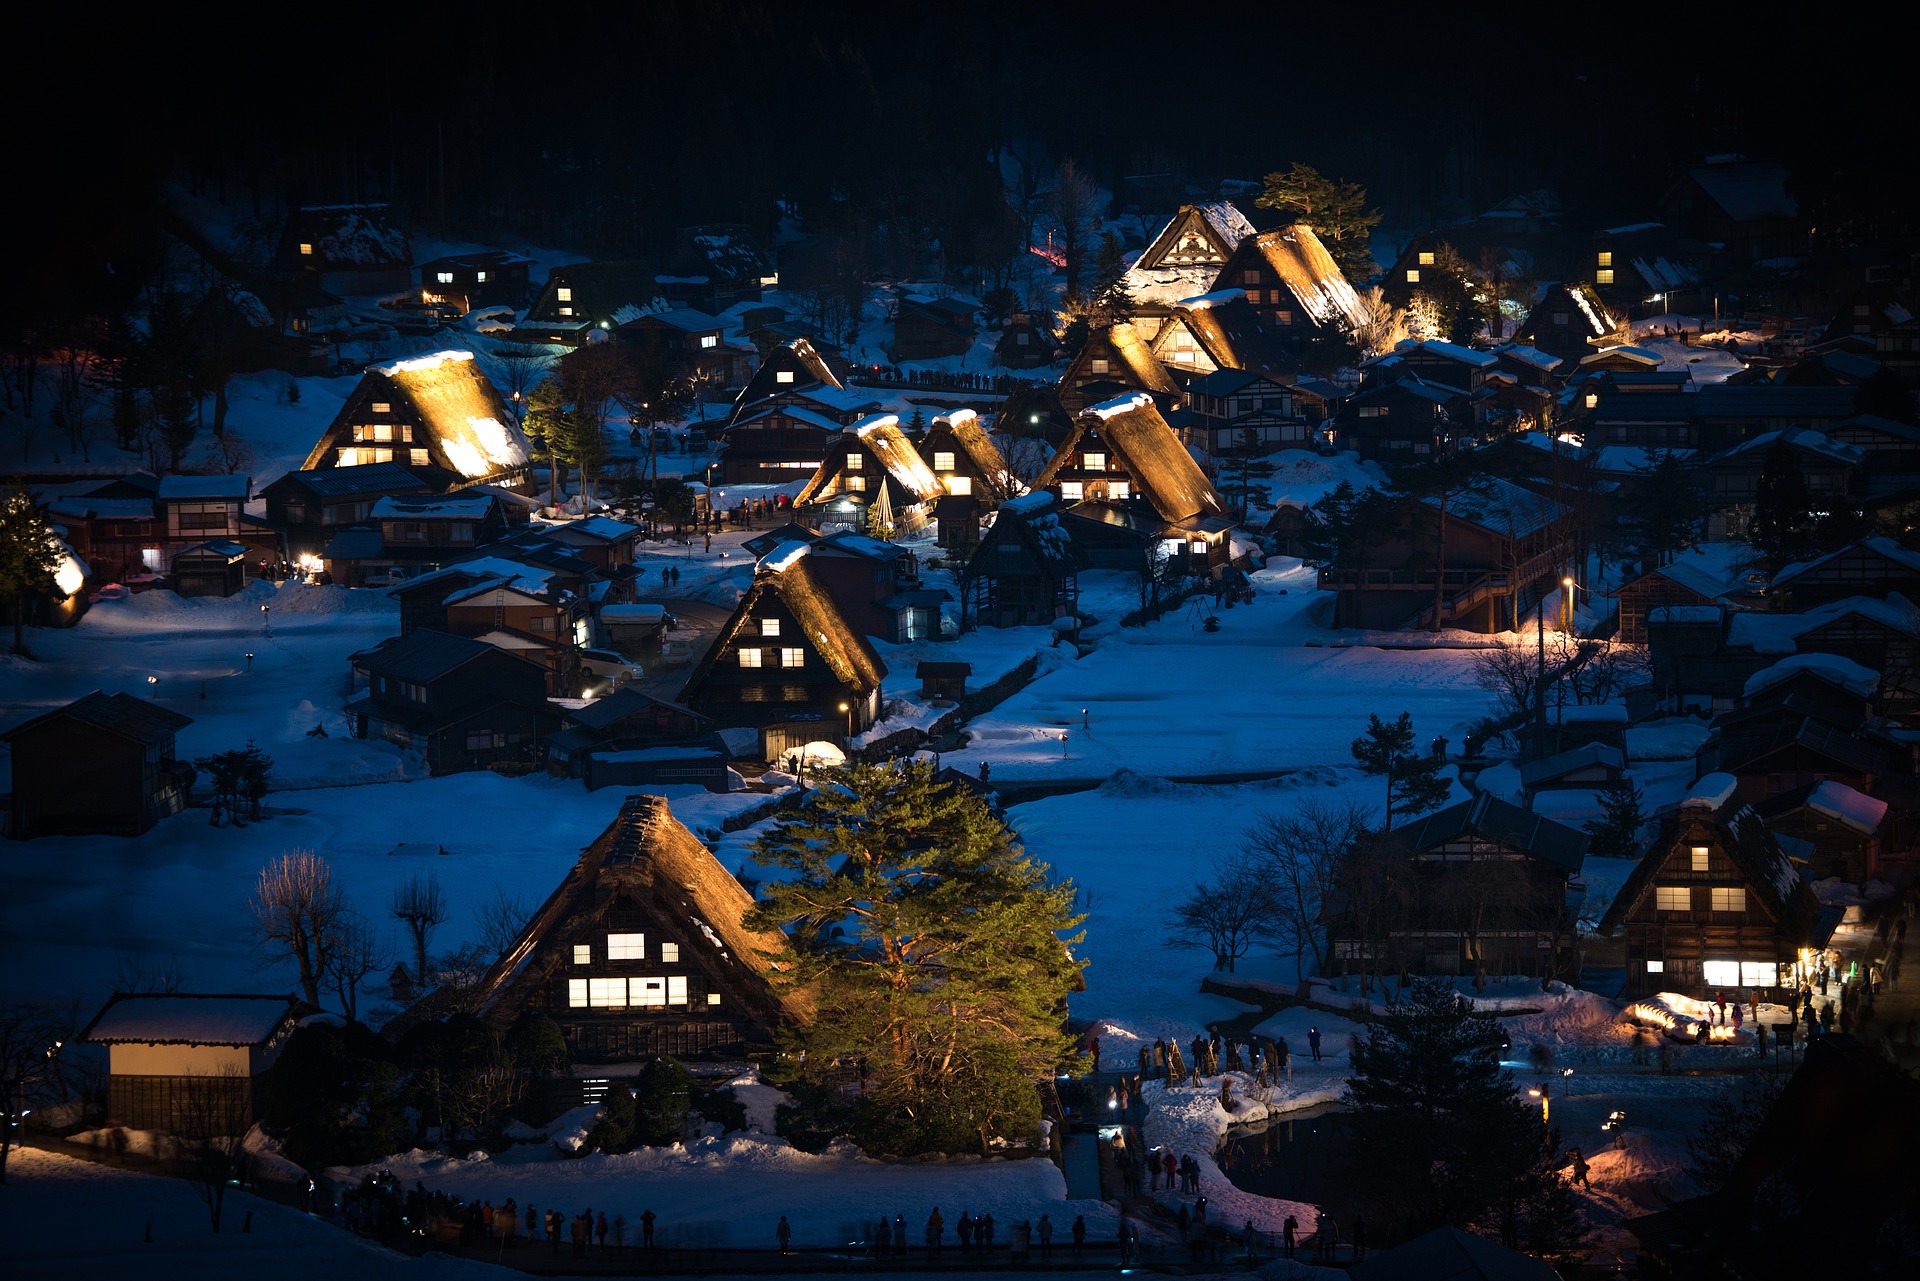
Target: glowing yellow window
x,y
856,462
1603,277
1094,462
1672,898
960,485
1071,491
563,294
769,627
1605,259
306,250
943,462
1699,854
857,484
1426,258
1413,275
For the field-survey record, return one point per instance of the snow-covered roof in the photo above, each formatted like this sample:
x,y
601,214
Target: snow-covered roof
x,y
797,412
1779,633
1530,356
1693,578
458,405
1029,504
1857,810
602,527
1639,355
1501,506
204,487
1832,668
785,556
102,508
1451,351
1685,614
1711,791
1880,544
181,1018
1812,442
1296,255
433,507
1108,409
1213,299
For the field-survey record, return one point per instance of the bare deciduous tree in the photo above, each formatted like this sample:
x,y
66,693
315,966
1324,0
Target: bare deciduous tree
x,y
209,1122
419,905
298,915
1223,915
1074,201
357,955
1511,674
149,974
501,920
29,1065
1297,856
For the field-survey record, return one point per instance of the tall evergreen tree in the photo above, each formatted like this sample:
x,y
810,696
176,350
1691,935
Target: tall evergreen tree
x,y
1108,300
1664,510
1616,833
1414,782
935,952
28,558
1335,209
1782,528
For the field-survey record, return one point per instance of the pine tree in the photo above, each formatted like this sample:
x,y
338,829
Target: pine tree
x,y
1435,1117
28,558
935,951
1616,833
1782,526
1663,510
1336,210
1414,782
1108,300
546,423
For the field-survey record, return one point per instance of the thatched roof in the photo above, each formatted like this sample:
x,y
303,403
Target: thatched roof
x,y
649,855
1130,363
1162,470
467,423
961,430
881,436
1296,255
1226,327
788,574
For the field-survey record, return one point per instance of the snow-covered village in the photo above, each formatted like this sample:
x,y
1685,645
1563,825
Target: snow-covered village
x,y
737,640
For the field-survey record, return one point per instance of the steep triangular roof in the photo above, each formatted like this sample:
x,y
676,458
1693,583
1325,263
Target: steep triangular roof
x,y
1129,361
1218,224
1501,822
788,574
649,856
961,430
1225,326
1310,274
1163,472
882,437
470,430
797,357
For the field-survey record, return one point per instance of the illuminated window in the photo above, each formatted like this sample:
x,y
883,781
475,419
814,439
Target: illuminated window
x,y
1198,547
306,249
1071,491
564,294
576,994
943,462
606,994
1094,462
713,998
783,375
1656,967
670,951
1593,399
856,462
793,657
1672,898
1759,974
858,484
1426,258
480,276
1605,258
566,311
1118,489
626,947
382,407
1700,855
749,658
1413,275
420,457
1721,973
1183,338
648,992
769,627
1604,277
1098,364
961,486
445,277
583,954
1730,900
1284,317
709,341
677,990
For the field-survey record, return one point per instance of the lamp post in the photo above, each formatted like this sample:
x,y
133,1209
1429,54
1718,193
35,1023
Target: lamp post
x,y
1086,721
249,660
266,620
846,710
1543,1092
1566,603
153,686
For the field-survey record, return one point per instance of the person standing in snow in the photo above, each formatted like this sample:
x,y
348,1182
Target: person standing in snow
x,y
646,1230
936,1230
1739,1016
1580,1169
964,1230
1046,1238
1290,1234
1093,1048
1079,1235
1313,1043
783,1233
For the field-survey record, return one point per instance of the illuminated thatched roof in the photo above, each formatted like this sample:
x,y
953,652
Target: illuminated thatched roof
x,y
1227,329
649,859
961,432
467,426
1309,272
880,437
787,573
1129,362
1159,466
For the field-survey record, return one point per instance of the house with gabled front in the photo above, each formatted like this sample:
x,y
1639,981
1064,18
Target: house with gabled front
x,y
974,478
184,1061
1569,321
460,702
871,471
1219,331
1026,569
1183,260
642,950
1115,361
1293,283
105,763
630,739
438,410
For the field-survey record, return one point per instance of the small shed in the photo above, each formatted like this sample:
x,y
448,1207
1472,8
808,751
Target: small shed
x,y
944,680
180,1060
217,568
629,627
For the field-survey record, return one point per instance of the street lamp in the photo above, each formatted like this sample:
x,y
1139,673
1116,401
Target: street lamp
x,y
153,686
249,661
1086,722
266,622
1566,603
846,710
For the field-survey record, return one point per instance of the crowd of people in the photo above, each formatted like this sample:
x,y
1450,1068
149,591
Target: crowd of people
x,y
379,1207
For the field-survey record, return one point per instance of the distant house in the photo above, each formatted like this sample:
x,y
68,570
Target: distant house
x,y
102,765
213,568
348,249
461,703
438,410
1024,343
1872,566
528,615
943,680
1033,410
189,510
629,739
876,587
1025,571
1183,260
424,598
871,466
585,296
788,370
788,661
310,506
1219,331
1505,547
927,328
1644,269
484,278
1676,584
642,951
776,445
1715,905
682,342
1414,269
1588,767
716,266
1405,421
1491,896
1844,828
1708,653
601,541
1528,365
1293,283
184,1061
973,477
1732,476
1569,321
1739,203
1236,411
409,534
1112,362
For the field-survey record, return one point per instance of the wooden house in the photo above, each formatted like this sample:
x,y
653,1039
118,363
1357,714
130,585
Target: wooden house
x,y
1490,893
1404,421
461,703
603,542
629,739
1892,449
1295,287
101,765
213,568
776,445
1872,566
642,951
1033,410
484,278
1646,421
179,1060
309,507
1183,260
528,615
788,369
716,266
680,343
1715,906
876,587
1645,269
424,597
1025,571
438,410
1709,653
792,532
871,467
1505,547
1674,584
189,510
1529,365
1219,331
1569,321
928,328
412,534
788,661
118,538
1844,828
1235,411
1115,361
1726,415
585,296
1743,205
1589,767
1731,477
347,249
1413,271
1024,343
943,681
973,477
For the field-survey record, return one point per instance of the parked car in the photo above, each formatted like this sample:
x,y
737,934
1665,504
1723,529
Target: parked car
x,y
613,667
